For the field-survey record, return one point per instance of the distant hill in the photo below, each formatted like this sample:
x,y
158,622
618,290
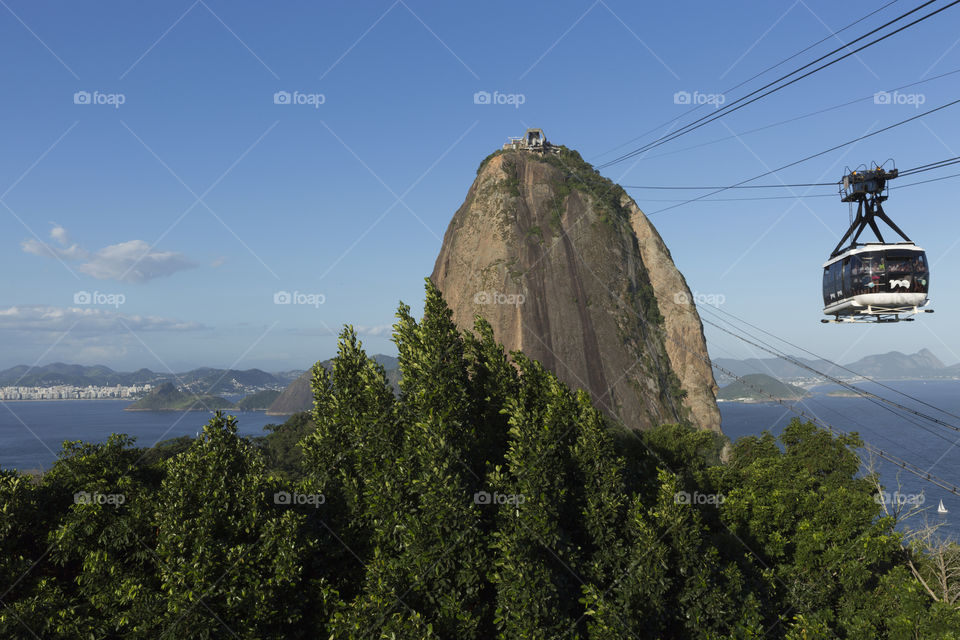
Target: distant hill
x,y
259,401
203,380
888,366
922,364
298,396
759,387
295,398
209,380
286,377
167,397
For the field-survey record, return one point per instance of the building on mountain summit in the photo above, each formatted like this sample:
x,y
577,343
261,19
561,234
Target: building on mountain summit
x,y
535,140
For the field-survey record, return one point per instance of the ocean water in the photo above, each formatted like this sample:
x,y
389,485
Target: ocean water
x,y
935,449
32,432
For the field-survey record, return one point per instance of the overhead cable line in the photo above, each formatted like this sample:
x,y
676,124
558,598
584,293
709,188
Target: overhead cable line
x,y
754,77
796,196
872,96
839,366
903,172
814,155
739,103
866,394
880,453
877,400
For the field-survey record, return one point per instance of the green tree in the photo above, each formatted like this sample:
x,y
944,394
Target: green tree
x,y
428,552
228,557
89,520
537,568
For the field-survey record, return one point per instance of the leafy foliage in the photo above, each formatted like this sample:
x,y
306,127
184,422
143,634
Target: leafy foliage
x,y
487,500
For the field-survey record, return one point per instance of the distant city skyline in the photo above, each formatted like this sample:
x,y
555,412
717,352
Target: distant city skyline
x,y
228,184
72,392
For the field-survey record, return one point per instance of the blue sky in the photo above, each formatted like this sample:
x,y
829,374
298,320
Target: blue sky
x,y
346,196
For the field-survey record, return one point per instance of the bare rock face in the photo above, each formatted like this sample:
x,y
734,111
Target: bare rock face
x,y
567,269
685,343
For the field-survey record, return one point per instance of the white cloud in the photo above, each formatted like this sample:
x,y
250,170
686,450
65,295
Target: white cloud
x,y
132,261
376,331
60,234
379,331
50,318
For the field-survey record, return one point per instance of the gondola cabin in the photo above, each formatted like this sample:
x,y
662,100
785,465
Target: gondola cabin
x,y
876,279
873,281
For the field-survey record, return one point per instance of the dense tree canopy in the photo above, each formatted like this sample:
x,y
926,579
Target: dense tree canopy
x,y
486,500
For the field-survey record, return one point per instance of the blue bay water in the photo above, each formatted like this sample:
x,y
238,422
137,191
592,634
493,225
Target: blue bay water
x,y
935,449
31,432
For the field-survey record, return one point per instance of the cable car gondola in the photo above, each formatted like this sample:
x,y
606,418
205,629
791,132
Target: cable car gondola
x,y
874,281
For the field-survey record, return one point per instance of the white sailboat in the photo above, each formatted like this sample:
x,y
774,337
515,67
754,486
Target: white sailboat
x,y
941,508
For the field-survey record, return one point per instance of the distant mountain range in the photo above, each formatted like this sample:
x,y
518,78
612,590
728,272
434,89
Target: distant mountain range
x,y
887,366
205,380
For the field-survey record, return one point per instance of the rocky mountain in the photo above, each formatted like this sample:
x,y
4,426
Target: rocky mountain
x,y
565,267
